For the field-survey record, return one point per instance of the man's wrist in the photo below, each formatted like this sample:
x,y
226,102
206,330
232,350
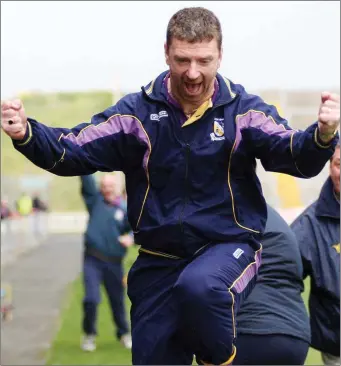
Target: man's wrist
x,y
326,138
27,136
326,141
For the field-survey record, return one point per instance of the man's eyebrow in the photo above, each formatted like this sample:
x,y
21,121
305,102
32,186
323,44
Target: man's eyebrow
x,y
181,57
184,58
206,58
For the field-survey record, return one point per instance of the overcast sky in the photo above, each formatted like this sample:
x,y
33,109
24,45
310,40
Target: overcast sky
x,y
64,45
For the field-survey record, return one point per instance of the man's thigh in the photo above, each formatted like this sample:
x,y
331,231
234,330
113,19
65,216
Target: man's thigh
x,y
210,291
157,337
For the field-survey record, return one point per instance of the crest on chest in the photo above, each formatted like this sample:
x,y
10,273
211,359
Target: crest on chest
x,y
218,133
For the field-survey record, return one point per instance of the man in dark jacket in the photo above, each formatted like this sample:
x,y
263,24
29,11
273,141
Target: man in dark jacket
x,y
187,144
106,240
318,232
273,323
38,204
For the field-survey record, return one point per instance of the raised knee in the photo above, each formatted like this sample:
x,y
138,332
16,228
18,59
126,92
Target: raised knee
x,y
195,289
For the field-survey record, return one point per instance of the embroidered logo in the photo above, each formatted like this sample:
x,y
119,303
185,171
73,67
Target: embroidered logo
x,y
238,252
218,130
157,117
337,247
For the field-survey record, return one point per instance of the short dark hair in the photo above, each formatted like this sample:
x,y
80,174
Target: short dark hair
x,y
194,25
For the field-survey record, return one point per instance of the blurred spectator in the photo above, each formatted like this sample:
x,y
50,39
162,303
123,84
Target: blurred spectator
x,y
24,205
5,210
38,204
318,232
107,237
38,208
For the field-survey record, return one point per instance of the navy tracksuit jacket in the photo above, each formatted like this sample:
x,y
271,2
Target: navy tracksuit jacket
x,y
318,232
193,194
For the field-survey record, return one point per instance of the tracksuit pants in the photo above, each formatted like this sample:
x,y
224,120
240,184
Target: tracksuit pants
x,y
96,272
186,307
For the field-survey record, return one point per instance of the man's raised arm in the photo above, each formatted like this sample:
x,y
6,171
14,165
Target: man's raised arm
x,y
89,147
282,149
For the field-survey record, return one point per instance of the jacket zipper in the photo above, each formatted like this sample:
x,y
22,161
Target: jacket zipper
x,y
188,150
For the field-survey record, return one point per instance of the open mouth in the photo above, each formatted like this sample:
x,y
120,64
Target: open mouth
x,y
193,88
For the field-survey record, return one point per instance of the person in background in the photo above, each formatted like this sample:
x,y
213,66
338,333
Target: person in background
x,y
107,237
39,208
5,210
24,205
38,204
318,233
273,323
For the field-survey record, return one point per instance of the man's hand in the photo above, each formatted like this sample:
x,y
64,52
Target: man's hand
x,y
329,116
126,240
13,119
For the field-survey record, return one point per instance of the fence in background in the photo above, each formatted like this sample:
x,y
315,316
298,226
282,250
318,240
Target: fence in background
x,y
20,235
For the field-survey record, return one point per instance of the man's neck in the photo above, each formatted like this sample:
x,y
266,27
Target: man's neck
x,y
189,108
336,195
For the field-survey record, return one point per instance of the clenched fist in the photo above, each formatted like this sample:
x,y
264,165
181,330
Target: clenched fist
x,y
13,119
329,116
126,240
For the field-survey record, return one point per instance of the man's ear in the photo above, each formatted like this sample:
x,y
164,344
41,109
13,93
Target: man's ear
x,y
220,57
166,53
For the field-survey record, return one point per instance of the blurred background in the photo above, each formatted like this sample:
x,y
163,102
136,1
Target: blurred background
x,y
70,60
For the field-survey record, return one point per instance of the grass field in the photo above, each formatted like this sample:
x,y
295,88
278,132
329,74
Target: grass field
x,y
65,349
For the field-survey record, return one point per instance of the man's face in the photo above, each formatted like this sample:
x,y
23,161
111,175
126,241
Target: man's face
x,y
109,187
193,68
335,170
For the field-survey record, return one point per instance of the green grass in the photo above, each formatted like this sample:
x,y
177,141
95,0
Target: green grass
x,y
56,110
65,349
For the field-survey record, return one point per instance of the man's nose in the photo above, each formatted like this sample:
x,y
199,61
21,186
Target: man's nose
x,y
193,72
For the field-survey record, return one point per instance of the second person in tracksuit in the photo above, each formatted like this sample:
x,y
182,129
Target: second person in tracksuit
x,y
318,233
106,240
274,314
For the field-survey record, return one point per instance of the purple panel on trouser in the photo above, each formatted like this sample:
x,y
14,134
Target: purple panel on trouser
x,y
258,120
248,275
129,125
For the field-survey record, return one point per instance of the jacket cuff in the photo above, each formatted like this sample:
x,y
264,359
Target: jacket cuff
x,y
322,144
27,138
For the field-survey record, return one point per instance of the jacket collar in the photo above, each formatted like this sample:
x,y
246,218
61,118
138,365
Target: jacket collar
x,y
327,203
225,95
